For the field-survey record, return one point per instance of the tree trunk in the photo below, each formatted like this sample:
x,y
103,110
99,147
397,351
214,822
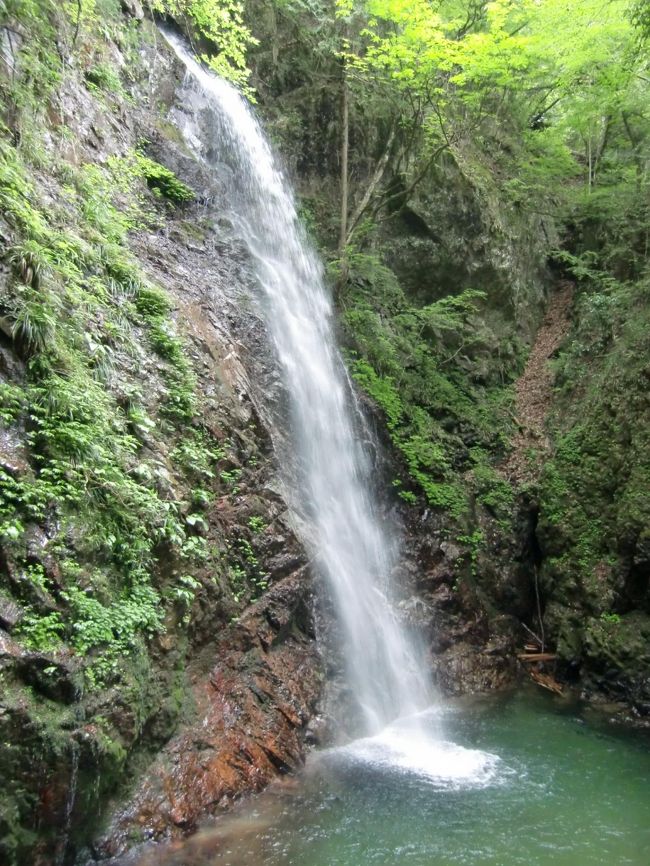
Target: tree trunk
x,y
343,231
77,24
345,135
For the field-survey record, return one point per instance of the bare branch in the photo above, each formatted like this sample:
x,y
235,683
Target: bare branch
x,y
475,13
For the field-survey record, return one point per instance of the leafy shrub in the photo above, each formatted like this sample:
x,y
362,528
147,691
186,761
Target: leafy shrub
x,y
102,76
163,181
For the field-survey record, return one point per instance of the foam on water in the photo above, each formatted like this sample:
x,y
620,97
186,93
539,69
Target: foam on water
x,y
406,746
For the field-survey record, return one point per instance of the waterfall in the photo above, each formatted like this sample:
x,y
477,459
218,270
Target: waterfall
x,y
331,483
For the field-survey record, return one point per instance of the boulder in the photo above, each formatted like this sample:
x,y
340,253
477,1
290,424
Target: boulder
x,y
133,8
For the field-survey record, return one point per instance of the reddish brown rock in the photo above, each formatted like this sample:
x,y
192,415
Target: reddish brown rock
x,y
253,708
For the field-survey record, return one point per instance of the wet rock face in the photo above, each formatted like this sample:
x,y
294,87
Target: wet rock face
x,y
252,713
234,679
472,647
254,683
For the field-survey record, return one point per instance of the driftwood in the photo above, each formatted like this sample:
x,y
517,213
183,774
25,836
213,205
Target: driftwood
x,y
546,681
536,657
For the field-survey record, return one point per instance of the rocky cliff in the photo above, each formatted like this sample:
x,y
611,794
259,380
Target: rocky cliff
x,y
156,609
142,513
158,615
515,411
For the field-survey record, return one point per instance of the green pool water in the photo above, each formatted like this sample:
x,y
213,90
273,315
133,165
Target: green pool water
x,y
528,780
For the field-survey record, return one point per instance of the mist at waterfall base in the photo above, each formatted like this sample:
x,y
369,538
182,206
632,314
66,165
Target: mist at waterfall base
x,y
330,487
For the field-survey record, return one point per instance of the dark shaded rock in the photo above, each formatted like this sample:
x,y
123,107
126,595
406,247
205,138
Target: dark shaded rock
x,y
443,597
10,614
13,454
9,649
133,8
615,656
451,552
54,678
320,731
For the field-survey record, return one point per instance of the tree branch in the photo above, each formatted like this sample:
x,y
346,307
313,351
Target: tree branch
x,y
376,179
345,136
537,118
475,13
409,189
78,24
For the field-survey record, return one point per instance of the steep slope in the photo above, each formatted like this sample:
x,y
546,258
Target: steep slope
x,y
534,390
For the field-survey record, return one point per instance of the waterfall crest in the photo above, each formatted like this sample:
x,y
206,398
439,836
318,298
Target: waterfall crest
x,y
351,547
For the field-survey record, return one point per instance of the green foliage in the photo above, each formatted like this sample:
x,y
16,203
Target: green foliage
x,y
230,478
490,487
37,59
75,299
197,455
12,402
640,15
593,508
184,593
543,110
562,84
154,310
152,304
247,578
41,632
256,524
102,76
403,358
221,22
163,181
474,541
34,322
115,628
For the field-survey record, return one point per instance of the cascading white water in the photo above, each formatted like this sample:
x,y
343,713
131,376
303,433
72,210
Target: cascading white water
x,y
353,550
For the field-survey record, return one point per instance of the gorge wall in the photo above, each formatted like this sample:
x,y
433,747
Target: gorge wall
x,y
157,613
547,512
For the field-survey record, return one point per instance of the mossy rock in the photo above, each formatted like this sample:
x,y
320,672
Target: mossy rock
x,y
616,653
